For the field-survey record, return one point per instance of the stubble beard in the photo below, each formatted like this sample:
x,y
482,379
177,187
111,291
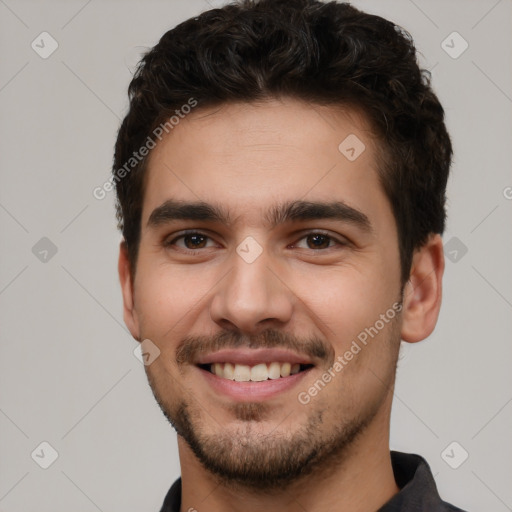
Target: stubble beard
x,y
245,458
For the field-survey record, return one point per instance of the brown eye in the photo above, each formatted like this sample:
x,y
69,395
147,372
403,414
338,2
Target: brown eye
x,y
318,241
191,242
194,241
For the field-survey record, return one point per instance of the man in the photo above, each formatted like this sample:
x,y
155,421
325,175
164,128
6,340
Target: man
x,y
281,179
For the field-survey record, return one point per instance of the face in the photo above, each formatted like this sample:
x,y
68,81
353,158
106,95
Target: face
x,y
268,249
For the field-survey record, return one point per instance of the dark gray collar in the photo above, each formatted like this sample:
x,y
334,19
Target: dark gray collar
x,y
418,491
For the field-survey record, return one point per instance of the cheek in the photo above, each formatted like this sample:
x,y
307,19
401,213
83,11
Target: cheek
x,y
165,295
345,300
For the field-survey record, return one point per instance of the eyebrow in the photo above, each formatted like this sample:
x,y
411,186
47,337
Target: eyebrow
x,y
298,210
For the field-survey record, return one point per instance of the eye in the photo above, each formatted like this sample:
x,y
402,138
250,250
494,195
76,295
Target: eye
x,y
318,240
190,241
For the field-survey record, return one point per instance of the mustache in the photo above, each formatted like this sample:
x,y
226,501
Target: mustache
x,y
191,348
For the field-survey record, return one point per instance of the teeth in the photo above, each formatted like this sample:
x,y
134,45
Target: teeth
x,y
218,370
285,369
274,371
242,373
257,373
229,371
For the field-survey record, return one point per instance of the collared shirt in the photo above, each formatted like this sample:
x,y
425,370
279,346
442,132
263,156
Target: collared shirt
x,y
418,491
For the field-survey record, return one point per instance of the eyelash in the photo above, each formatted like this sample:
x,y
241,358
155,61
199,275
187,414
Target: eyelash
x,y
169,243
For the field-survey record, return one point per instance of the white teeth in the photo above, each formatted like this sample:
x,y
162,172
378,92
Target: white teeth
x,y
218,370
242,373
274,371
259,372
285,369
229,371
256,373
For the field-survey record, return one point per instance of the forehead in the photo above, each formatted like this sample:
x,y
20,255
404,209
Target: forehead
x,y
248,156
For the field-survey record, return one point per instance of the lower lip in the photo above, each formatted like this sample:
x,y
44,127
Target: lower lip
x,y
251,391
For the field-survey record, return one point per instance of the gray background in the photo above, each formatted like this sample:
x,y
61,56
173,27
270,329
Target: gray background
x,y
68,375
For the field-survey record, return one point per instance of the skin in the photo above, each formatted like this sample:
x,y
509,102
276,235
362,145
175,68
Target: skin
x,y
248,158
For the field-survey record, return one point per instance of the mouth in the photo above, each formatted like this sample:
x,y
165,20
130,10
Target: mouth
x,y
253,375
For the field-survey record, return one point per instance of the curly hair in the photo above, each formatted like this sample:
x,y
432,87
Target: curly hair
x,y
326,53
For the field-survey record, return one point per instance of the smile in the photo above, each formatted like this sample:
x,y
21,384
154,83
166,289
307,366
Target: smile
x,y
256,373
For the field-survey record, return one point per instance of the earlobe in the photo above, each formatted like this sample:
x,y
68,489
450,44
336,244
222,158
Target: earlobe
x,y
423,291
125,278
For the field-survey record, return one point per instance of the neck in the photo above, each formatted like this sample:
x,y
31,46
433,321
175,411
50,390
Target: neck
x,y
362,482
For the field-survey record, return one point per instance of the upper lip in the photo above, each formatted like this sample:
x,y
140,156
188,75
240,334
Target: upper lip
x,y
252,357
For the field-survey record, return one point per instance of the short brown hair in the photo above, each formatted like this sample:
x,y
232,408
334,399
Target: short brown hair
x,y
326,53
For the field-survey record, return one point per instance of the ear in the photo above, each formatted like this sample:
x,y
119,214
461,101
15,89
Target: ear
x,y
125,277
423,291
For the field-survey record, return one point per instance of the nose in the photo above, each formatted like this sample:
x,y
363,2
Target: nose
x,y
252,297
